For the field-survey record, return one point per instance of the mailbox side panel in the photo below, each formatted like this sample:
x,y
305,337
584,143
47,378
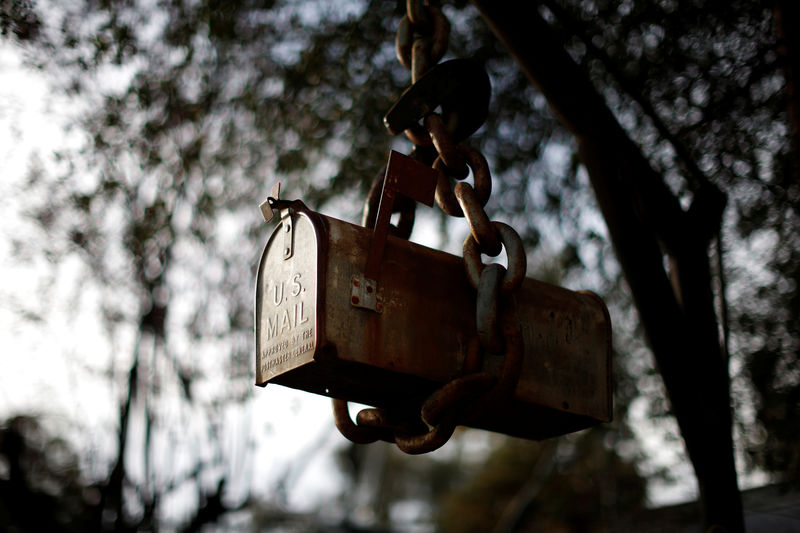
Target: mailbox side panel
x,y
419,337
568,335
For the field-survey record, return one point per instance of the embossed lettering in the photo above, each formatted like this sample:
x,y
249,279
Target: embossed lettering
x,y
272,327
289,313
286,320
299,318
296,287
283,351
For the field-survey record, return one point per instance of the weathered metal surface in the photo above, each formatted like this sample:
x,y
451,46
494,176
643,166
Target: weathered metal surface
x,y
287,299
310,336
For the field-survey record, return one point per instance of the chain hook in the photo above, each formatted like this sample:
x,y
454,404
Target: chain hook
x,y
420,43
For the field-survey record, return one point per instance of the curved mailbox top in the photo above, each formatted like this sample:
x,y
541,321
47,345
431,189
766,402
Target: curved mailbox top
x,y
287,298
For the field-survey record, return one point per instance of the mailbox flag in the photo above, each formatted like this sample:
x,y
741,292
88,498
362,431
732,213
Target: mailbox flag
x,y
410,178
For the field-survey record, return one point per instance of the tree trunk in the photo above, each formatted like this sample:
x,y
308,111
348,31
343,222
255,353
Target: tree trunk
x,y
644,221
786,16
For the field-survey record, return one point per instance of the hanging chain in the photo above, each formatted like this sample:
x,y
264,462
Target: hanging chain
x,y
421,41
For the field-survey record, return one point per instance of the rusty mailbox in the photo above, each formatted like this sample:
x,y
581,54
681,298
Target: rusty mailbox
x,y
320,329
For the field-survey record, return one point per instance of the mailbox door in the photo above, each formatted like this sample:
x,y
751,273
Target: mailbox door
x,y
287,298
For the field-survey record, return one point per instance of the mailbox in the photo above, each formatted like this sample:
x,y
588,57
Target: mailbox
x,y
314,332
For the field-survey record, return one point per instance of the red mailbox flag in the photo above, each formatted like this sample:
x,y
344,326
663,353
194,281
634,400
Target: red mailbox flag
x,y
409,177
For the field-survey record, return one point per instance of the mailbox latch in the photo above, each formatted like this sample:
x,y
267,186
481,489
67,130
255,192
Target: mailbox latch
x,y
288,248
268,208
364,293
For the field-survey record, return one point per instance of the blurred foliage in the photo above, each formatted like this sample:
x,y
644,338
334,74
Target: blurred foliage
x,y
190,110
587,481
19,20
575,483
41,486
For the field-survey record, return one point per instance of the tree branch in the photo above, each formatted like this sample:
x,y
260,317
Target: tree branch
x,y
696,176
786,16
642,215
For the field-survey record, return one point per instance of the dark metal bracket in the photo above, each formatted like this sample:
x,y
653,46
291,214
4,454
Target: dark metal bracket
x,y
284,207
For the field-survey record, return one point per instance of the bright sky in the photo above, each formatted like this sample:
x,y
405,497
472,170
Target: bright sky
x,y
26,127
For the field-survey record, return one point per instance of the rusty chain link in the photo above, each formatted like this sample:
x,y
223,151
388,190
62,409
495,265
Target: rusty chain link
x,y
487,312
421,41
479,224
517,262
433,33
445,197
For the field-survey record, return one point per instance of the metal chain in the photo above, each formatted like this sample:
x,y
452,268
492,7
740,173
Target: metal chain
x,y
420,43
